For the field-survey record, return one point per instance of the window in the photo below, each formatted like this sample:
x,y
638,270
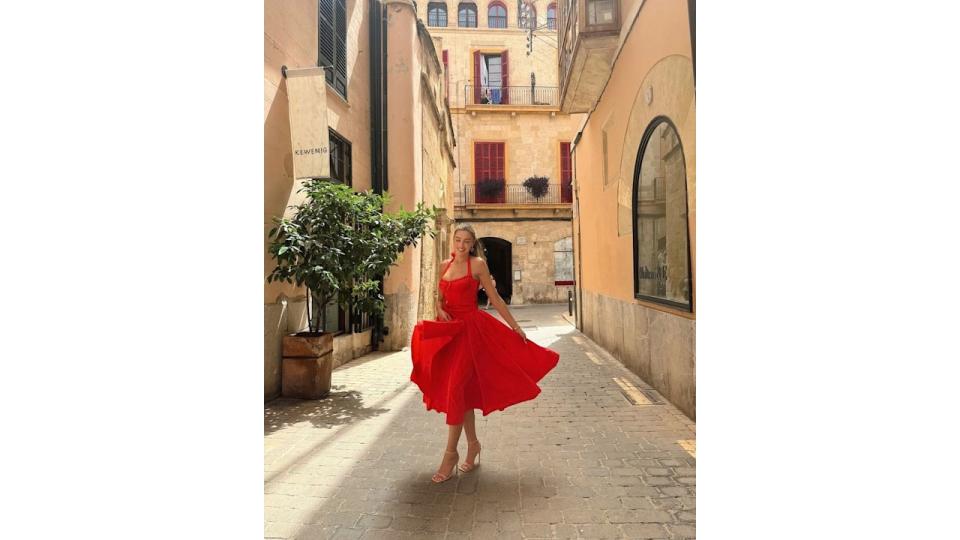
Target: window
x,y
341,160
334,318
601,11
489,172
333,43
491,78
563,261
497,15
436,14
527,17
552,16
566,174
467,15
660,227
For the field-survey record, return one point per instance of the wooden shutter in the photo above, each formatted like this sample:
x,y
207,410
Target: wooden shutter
x,y
327,38
566,174
505,77
477,58
341,65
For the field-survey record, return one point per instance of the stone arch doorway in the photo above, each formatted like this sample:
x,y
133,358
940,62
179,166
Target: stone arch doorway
x,y
499,255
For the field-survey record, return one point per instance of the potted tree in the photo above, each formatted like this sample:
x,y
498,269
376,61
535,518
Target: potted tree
x,y
537,186
337,244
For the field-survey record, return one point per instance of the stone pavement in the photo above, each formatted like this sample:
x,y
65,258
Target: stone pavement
x,y
598,454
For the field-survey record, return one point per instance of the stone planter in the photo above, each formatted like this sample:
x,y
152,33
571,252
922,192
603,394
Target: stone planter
x,y
307,365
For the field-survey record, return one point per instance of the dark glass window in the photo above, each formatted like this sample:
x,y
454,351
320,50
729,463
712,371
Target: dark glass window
x,y
436,14
601,11
660,222
341,164
467,15
552,16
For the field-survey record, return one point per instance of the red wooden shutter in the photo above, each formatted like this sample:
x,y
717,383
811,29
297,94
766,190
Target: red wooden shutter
x,y
481,166
489,164
476,76
566,174
505,70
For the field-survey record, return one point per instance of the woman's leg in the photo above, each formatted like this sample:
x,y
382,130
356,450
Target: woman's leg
x,y
453,435
450,454
470,425
473,444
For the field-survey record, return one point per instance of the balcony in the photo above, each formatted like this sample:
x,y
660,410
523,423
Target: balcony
x,y
513,194
495,97
589,33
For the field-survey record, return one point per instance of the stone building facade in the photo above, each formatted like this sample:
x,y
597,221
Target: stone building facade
x,y
505,104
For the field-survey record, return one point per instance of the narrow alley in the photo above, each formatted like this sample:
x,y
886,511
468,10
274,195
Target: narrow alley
x,y
599,454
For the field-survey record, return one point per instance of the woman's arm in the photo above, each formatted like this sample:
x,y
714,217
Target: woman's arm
x,y
483,274
441,313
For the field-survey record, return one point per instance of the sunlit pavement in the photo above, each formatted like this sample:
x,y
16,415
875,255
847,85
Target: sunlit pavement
x,y
597,455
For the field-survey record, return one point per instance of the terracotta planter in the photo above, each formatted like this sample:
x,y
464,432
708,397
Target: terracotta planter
x,y
307,366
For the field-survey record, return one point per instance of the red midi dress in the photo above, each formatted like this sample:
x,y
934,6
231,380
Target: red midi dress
x,y
474,361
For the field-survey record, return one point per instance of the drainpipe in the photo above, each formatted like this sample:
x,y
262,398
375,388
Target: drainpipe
x,y
378,124
578,285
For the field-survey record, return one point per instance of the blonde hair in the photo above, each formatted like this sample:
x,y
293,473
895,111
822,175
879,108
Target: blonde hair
x,y
477,249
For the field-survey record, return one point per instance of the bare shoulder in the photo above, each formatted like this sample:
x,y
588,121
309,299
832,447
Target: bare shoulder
x,y
479,264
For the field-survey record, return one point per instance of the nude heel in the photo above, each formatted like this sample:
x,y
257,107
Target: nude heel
x,y
444,477
467,467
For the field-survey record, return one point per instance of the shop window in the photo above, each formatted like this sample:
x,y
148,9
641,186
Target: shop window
x,y
660,222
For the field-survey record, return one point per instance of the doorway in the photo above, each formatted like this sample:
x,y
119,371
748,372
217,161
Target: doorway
x,y
499,255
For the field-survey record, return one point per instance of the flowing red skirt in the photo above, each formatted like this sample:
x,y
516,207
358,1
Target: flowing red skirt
x,y
475,362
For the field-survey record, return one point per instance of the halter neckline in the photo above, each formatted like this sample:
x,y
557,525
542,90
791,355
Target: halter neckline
x,y
453,257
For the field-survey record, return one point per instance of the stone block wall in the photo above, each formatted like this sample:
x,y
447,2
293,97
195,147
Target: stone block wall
x,y
659,347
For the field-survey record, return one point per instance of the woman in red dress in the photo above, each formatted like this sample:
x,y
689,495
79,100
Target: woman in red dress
x,y
467,359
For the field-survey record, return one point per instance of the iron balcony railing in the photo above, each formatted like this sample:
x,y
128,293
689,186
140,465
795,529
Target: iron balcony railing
x,y
512,194
511,95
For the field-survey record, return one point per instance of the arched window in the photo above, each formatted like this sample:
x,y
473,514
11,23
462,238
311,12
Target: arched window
x,y
436,14
497,15
467,15
527,17
552,16
661,243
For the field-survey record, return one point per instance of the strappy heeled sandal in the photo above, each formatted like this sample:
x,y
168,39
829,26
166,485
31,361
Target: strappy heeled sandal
x,y
439,477
467,467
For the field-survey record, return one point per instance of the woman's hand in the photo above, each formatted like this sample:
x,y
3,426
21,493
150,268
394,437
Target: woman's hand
x,y
520,331
443,315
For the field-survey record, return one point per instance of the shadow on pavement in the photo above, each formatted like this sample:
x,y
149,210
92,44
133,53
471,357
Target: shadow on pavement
x,y
341,407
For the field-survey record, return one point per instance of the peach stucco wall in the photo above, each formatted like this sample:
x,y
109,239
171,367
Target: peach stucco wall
x,y
656,49
290,38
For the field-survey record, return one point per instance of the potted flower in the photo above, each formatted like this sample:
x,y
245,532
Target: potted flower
x,y
537,186
337,244
489,189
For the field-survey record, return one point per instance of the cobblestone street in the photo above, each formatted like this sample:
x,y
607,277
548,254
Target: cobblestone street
x,y
598,454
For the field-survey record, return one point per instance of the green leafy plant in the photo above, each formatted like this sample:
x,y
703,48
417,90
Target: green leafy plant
x,y
489,188
537,186
339,242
